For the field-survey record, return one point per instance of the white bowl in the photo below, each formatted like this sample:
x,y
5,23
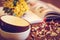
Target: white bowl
x,y
15,36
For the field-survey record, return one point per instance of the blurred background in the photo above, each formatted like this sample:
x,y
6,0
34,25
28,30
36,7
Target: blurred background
x,y
54,2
